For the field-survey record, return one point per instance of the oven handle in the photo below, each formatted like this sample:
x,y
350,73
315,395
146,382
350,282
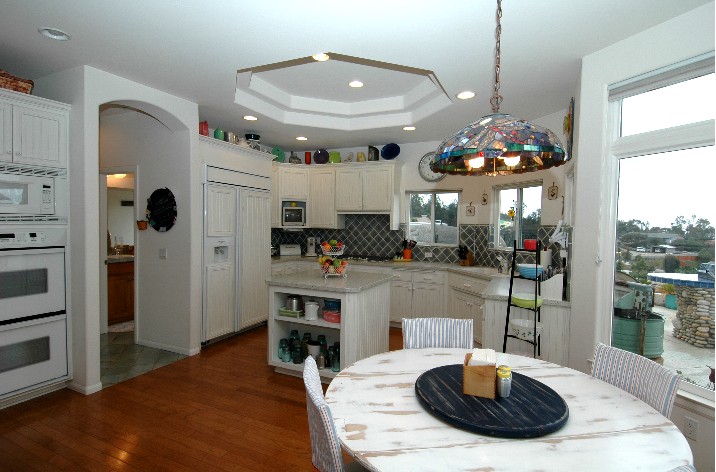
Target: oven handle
x,y
32,250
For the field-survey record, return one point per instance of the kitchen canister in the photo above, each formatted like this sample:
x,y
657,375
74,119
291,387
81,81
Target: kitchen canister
x,y
311,309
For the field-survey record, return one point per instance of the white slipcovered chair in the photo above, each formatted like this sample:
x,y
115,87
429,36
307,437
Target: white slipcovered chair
x,y
419,333
325,448
635,374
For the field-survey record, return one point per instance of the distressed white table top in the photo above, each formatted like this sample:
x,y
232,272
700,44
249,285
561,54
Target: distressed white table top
x,y
380,421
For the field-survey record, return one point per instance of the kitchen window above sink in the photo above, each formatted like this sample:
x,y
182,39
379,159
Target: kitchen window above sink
x,y
433,217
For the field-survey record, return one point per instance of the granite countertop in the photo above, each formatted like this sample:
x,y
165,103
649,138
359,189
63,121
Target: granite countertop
x,y
355,281
112,259
473,271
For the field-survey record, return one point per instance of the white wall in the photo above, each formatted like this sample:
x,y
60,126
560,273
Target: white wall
x,y
86,88
675,40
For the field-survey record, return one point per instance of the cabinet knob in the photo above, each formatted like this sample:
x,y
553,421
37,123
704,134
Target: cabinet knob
x,y
18,153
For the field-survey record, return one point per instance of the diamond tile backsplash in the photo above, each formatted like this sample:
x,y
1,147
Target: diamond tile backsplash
x,y
371,235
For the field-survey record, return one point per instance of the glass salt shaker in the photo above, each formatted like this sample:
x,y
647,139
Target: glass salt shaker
x,y
504,381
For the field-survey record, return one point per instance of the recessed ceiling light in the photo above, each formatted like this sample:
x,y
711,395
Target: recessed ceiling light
x,y
301,138
321,56
119,176
465,95
409,128
54,33
356,84
250,118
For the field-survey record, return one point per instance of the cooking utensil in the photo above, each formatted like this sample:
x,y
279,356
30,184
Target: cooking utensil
x,y
412,244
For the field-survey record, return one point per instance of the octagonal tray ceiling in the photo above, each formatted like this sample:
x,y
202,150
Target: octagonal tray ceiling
x,y
392,95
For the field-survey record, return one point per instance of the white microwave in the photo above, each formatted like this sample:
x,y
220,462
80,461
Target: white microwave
x,y
27,195
293,216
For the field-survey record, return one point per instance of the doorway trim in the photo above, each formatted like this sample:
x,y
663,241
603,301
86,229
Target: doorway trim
x,y
103,306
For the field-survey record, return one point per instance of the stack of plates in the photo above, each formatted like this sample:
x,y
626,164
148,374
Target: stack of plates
x,y
529,271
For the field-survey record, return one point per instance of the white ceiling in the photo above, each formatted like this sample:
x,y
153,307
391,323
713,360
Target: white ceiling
x,y
193,49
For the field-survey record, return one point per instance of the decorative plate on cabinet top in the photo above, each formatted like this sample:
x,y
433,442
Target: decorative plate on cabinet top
x,y
390,151
280,155
320,156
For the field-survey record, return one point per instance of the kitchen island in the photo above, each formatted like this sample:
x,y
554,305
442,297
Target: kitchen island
x,y
365,314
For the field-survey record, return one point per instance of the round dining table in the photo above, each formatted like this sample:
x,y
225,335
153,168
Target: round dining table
x,y
383,425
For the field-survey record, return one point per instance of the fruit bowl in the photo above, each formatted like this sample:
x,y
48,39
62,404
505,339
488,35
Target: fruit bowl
x,y
332,248
330,269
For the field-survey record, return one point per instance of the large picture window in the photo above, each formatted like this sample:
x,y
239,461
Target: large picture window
x,y
665,223
519,214
433,217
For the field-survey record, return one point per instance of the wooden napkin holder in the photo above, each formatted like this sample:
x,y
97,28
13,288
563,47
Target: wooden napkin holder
x,y
478,380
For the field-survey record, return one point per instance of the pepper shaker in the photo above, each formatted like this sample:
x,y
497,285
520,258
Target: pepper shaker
x,y
504,381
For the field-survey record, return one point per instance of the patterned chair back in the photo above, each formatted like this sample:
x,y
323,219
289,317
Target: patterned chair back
x,y
419,333
325,448
635,374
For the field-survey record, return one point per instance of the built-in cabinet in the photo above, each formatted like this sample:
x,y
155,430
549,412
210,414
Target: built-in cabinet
x,y
333,190
275,197
417,294
364,188
322,199
120,292
254,252
294,183
237,235
33,130
554,341
465,300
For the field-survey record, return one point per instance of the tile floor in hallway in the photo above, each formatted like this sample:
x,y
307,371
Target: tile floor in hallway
x,y
121,359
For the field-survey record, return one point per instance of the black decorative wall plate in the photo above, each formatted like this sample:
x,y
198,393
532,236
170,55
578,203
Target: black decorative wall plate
x,y
162,210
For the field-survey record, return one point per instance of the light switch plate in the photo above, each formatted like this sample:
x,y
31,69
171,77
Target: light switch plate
x,y
162,253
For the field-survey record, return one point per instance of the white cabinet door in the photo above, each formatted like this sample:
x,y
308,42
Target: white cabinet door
x,y
5,132
220,211
349,189
39,137
401,294
219,301
321,203
428,300
275,198
294,183
465,306
254,256
378,188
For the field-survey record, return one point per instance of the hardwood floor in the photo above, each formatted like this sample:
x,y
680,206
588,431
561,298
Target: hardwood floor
x,y
224,409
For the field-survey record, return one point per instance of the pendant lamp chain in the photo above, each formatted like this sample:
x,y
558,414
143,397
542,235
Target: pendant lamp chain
x,y
496,97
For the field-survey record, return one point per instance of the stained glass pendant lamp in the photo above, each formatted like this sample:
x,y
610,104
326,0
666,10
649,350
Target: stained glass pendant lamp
x,y
499,144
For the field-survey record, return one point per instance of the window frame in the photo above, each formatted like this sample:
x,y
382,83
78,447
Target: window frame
x,y
678,138
520,186
408,193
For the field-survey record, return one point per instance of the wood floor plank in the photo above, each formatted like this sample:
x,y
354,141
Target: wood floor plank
x,y
224,409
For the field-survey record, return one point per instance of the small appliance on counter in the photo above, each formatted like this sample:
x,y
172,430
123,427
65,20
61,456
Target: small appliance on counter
x,y
311,246
289,250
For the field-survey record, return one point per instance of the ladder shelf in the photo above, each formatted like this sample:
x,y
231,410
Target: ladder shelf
x,y
535,341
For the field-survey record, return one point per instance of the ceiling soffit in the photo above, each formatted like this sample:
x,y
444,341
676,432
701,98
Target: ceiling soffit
x,y
309,93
